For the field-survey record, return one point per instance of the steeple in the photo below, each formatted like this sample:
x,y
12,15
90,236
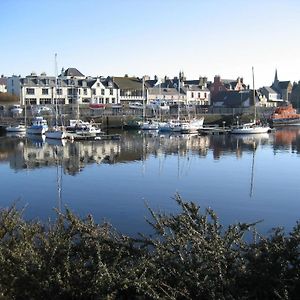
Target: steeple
x,y
276,77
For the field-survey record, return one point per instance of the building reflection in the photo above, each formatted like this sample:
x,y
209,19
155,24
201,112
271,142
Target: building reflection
x,y
32,152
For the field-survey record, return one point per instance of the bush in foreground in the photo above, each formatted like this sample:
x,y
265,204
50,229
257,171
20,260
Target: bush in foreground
x,y
189,256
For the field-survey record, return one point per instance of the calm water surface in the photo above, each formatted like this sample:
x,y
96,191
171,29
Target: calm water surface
x,y
243,178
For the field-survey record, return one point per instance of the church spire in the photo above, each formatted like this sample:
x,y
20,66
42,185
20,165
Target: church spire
x,y
276,77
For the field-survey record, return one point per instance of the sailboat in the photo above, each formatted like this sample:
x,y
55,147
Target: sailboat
x,y
252,127
56,132
147,124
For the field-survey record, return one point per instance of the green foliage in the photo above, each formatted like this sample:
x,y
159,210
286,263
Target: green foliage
x,y
189,256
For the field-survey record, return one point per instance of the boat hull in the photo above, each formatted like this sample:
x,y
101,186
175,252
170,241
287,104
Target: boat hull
x,y
256,130
283,122
56,134
18,128
37,130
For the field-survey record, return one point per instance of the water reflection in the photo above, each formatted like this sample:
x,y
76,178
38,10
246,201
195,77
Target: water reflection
x,y
243,177
29,152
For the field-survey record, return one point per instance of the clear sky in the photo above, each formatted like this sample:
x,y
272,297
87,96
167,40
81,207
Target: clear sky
x,y
162,37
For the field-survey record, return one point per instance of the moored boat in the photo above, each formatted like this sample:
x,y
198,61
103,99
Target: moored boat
x,y
250,128
16,128
285,115
38,126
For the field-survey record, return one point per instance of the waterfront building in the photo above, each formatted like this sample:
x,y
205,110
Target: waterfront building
x,y
196,92
3,84
221,85
284,88
129,90
277,93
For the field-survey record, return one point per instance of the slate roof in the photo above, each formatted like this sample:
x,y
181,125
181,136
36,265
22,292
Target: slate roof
x,y
232,98
162,91
106,83
269,90
73,72
151,83
38,81
128,83
194,88
283,84
191,82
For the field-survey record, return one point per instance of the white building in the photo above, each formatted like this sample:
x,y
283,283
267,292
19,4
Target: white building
x,y
3,84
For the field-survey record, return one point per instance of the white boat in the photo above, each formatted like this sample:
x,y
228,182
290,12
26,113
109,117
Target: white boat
x,y
192,126
57,133
16,109
16,128
250,128
38,126
253,127
171,125
150,125
79,128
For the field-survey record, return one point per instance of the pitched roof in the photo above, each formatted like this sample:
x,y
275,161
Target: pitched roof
x,y
73,72
194,88
162,91
231,98
283,84
130,83
151,82
269,90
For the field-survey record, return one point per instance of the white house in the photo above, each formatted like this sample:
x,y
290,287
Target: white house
x,y
3,84
270,97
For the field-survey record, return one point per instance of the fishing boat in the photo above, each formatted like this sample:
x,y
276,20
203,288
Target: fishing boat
x,y
285,115
254,127
38,126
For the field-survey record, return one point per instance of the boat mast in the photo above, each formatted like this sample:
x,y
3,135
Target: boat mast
x,y
178,109
55,91
254,95
143,98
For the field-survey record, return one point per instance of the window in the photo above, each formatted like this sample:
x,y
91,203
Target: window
x,y
111,91
192,95
29,91
102,92
59,91
44,91
199,95
113,100
85,91
98,84
94,91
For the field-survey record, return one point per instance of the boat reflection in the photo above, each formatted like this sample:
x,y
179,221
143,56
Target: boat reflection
x,y
36,151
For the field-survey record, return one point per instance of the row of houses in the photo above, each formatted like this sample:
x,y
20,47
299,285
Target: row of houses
x,y
71,86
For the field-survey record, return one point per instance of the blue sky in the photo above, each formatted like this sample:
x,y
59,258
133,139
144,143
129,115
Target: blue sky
x,y
139,37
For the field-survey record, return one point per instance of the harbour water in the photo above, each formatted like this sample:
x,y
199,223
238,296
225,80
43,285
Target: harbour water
x,y
242,178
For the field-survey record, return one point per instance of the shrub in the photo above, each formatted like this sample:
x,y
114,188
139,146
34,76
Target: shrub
x,y
189,256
